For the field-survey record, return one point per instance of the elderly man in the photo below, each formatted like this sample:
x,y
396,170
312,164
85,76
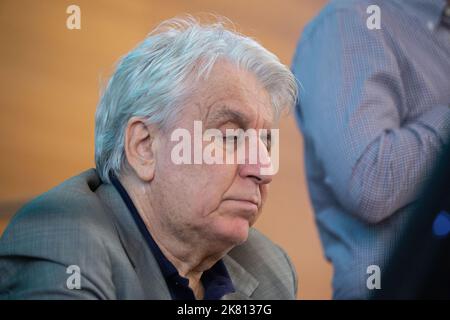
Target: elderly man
x,y
141,226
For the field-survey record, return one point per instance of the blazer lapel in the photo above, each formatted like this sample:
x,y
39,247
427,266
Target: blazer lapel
x,y
244,282
147,269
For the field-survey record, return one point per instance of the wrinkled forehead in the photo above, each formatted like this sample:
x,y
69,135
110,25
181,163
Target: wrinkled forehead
x,y
232,94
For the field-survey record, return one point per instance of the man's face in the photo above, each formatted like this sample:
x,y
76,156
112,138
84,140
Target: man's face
x,y
215,202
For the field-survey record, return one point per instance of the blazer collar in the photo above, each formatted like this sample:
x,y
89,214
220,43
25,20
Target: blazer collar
x,y
244,282
152,281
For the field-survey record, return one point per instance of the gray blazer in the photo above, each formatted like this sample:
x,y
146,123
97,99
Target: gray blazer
x,y
84,222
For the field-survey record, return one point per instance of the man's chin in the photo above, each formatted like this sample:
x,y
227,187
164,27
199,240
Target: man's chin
x,y
236,232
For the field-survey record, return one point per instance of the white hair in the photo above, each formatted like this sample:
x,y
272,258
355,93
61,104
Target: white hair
x,y
152,80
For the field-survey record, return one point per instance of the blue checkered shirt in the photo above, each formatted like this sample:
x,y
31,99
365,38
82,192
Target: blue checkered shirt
x,y
374,113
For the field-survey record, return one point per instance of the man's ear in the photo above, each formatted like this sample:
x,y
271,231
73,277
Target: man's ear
x,y
140,148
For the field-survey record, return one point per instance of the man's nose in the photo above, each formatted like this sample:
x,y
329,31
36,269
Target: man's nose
x,y
259,170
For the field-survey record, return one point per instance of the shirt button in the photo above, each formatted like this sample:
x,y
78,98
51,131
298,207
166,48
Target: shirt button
x,y
430,25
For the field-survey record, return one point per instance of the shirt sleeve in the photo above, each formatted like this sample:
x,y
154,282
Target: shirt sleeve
x,y
352,106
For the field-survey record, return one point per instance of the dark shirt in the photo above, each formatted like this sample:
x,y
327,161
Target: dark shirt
x,y
216,281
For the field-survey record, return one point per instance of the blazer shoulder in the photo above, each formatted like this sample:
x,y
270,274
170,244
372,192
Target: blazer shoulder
x,y
66,227
65,216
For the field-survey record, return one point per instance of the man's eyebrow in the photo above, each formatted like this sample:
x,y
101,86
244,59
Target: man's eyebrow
x,y
225,114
